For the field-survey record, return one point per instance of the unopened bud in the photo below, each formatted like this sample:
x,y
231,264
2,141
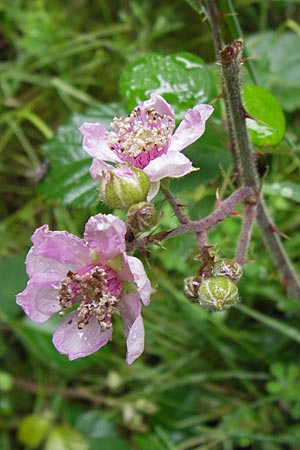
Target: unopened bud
x,y
123,187
191,287
141,217
218,293
225,267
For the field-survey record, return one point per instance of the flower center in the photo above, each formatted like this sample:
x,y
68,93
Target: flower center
x,y
142,136
96,289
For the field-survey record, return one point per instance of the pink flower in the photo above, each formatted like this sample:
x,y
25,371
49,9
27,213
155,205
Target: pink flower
x,y
97,276
145,139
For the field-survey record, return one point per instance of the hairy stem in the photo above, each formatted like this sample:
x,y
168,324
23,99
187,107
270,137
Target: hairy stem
x,y
276,250
230,63
182,217
248,221
201,226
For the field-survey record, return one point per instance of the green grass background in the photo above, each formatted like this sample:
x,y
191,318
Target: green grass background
x,y
206,381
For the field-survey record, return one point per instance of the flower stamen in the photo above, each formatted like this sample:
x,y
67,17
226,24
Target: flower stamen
x,y
141,136
93,291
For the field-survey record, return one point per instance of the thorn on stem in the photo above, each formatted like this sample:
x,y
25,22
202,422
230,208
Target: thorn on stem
x,y
219,203
280,233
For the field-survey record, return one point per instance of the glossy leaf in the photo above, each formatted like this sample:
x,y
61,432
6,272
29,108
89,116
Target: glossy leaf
x,y
181,78
267,127
68,179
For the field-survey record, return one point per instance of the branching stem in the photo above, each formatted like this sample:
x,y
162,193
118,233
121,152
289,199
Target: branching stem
x,y
230,63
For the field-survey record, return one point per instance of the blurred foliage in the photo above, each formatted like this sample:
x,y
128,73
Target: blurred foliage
x,y
206,381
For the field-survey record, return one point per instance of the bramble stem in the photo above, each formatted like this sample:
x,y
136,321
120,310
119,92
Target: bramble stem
x,y
182,217
244,241
202,239
277,251
201,226
230,63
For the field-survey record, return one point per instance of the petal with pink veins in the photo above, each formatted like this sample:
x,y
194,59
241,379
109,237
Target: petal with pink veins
x,y
95,142
173,164
135,341
140,278
61,246
69,340
39,298
191,127
130,310
159,104
99,167
39,264
106,235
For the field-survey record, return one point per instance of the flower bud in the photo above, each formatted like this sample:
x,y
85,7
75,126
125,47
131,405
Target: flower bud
x,y
218,293
141,217
123,187
225,267
191,287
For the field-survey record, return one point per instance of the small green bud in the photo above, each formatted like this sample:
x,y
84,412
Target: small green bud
x,y
225,267
191,287
124,187
218,293
141,217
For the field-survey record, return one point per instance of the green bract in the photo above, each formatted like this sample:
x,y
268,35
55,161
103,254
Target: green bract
x,y
142,217
218,293
124,188
267,127
225,267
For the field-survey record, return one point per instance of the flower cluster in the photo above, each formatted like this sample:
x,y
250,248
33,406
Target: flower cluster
x,y
87,280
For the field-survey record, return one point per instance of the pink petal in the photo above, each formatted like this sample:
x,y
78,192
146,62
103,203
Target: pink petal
x,y
60,246
39,264
135,341
77,343
154,188
39,298
130,310
140,278
173,164
191,127
98,167
106,235
95,141
159,104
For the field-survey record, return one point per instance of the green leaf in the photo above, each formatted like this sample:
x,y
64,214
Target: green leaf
x,y
65,438
33,430
101,432
277,62
68,179
181,78
286,189
267,127
13,280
